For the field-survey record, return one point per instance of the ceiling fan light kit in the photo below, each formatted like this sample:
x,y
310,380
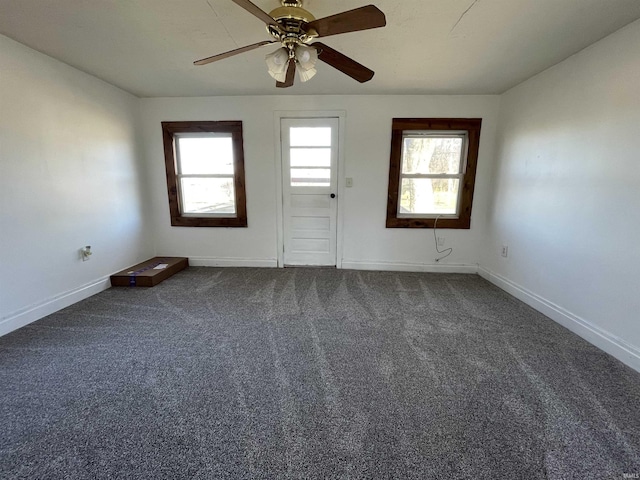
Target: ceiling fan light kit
x,y
295,29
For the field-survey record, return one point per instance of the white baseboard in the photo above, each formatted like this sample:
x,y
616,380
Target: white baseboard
x,y
408,267
30,314
613,345
233,262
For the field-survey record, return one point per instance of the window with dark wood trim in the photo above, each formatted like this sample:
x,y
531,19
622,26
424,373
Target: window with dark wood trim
x,y
205,173
432,172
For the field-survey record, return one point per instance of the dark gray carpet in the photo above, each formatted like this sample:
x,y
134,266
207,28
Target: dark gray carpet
x,y
312,373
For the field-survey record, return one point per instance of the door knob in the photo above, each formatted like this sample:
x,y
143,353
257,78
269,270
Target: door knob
x,y
333,195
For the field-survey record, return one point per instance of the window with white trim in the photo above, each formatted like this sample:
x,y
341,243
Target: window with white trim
x,y
433,165
432,172
205,173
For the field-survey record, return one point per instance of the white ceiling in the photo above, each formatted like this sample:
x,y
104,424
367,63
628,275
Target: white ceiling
x,y
428,46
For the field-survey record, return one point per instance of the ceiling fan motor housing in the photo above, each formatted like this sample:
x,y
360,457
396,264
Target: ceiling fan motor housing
x,y
291,18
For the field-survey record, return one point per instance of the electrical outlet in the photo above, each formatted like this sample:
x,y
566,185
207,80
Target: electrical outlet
x,y
505,251
348,182
85,253
441,241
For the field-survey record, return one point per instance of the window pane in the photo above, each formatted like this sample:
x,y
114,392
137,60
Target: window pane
x,y
311,157
310,177
431,155
429,196
205,155
310,137
208,195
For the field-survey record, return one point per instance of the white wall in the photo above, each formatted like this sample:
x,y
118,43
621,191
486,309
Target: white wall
x,y
69,176
366,241
567,192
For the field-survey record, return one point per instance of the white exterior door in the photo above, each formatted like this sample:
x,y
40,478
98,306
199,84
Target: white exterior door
x,y
309,187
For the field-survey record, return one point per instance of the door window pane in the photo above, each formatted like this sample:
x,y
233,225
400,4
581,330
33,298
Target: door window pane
x,y
205,155
310,177
424,196
310,136
208,195
311,157
431,155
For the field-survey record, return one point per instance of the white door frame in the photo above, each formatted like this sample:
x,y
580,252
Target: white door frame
x,y
341,115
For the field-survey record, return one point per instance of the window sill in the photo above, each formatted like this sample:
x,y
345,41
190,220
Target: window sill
x,y
462,223
233,222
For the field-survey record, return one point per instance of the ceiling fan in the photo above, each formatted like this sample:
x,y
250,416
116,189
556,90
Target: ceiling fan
x,y
295,29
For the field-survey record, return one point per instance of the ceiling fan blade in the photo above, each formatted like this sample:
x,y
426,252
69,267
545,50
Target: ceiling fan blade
x,y
291,75
257,11
355,20
343,63
231,53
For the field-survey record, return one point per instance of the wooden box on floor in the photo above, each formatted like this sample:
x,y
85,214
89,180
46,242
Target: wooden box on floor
x,y
149,273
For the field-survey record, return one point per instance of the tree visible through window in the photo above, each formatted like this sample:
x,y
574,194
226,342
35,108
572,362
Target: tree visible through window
x,y
432,172
205,173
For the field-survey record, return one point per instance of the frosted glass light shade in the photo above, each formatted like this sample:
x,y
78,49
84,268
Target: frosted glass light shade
x,y
306,57
306,74
277,63
280,76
